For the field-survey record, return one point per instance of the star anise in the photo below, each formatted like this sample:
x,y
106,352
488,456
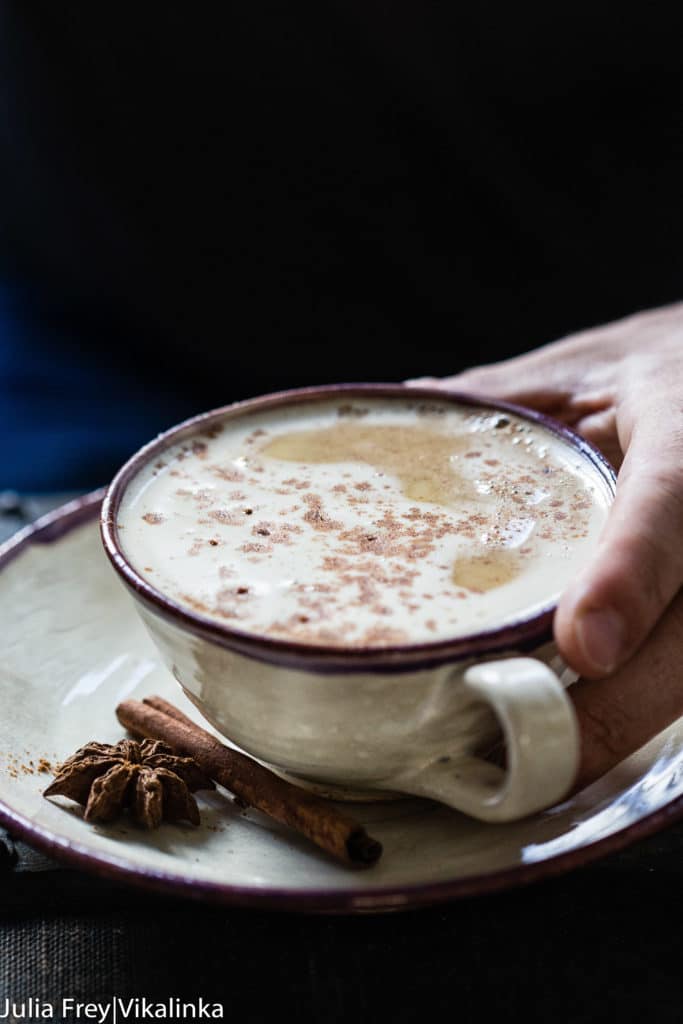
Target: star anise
x,y
148,778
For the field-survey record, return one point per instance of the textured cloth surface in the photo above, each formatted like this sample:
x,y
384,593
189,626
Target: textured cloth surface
x,y
601,944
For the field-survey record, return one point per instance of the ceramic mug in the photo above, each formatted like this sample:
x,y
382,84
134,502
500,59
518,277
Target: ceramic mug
x,y
358,723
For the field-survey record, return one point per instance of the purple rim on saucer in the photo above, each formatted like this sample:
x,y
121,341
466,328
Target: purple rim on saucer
x,y
526,633
390,897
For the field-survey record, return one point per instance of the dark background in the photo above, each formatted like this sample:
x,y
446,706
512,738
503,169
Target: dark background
x,y
202,205
199,204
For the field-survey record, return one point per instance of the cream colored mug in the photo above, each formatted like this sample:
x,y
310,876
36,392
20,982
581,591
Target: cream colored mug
x,y
411,719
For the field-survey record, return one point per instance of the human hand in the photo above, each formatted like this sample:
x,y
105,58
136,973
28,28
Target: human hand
x,y
621,387
618,715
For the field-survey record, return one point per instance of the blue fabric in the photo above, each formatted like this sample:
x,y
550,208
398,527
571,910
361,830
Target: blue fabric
x,y
68,417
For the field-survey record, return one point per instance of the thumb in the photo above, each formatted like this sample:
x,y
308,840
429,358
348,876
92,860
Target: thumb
x,y
610,609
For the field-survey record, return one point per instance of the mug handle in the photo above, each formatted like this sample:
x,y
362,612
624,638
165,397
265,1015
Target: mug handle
x,y
541,737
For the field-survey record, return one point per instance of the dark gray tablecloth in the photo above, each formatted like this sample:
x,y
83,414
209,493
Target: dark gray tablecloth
x,y
602,943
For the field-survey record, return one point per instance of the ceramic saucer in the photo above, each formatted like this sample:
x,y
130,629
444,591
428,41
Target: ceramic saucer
x,y
73,647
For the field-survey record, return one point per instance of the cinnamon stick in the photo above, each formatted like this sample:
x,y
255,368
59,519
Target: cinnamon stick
x,y
256,786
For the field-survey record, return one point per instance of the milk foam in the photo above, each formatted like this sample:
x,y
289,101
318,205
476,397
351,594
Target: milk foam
x,y
370,523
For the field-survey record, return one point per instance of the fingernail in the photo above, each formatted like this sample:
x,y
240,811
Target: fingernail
x,y
601,638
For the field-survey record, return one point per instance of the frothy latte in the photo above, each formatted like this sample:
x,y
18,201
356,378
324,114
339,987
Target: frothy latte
x,y
366,523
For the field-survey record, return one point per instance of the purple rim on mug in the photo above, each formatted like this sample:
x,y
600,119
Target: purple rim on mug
x,y
526,633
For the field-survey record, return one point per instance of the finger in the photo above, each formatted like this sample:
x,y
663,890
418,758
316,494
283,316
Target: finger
x,y
591,413
600,429
610,609
544,379
620,714
500,381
